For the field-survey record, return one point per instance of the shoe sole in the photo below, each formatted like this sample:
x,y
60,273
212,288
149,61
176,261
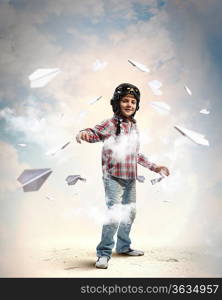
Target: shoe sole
x,y
101,267
130,254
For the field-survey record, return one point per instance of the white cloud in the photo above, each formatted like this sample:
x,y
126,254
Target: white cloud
x,y
122,146
10,168
119,212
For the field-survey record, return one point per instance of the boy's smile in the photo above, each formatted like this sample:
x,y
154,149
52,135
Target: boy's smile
x,y
128,105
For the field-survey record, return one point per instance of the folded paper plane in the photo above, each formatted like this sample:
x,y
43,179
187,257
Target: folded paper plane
x,y
72,179
99,65
139,66
156,180
204,111
61,115
83,113
141,178
41,77
64,146
92,101
194,136
155,86
50,198
33,179
187,90
57,149
159,106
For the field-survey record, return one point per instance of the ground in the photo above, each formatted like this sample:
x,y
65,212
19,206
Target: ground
x,y
78,260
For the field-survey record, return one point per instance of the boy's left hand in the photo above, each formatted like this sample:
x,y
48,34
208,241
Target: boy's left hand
x,y
161,169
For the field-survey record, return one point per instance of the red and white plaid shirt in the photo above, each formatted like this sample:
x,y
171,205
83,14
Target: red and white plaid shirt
x,y
120,154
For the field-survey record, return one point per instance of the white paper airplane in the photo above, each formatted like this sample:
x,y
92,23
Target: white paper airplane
x,y
158,179
187,90
204,111
61,115
194,136
22,145
65,145
155,86
82,114
72,179
33,179
141,178
159,106
50,198
92,101
41,77
57,149
139,66
99,65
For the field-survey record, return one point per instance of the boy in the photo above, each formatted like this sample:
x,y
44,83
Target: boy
x,y
120,156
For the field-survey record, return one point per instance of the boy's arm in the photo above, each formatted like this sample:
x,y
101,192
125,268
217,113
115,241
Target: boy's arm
x,y
96,134
143,161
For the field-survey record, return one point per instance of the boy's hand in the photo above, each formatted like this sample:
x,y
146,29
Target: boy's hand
x,y
161,169
82,135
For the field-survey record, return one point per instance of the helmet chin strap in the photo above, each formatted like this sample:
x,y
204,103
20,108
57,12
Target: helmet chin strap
x,y
118,130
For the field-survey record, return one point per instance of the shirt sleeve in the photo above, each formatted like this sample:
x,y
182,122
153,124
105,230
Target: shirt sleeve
x,y
143,161
101,131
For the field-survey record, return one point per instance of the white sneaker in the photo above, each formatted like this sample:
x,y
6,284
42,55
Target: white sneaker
x,y
102,262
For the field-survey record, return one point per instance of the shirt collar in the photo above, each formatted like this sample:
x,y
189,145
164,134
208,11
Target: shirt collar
x,y
123,119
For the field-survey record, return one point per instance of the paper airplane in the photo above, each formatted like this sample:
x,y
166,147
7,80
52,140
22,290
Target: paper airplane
x,y
42,77
194,136
156,180
33,179
82,113
204,111
57,149
61,116
94,100
139,66
22,145
72,179
187,90
99,65
64,146
159,106
50,198
141,178
155,86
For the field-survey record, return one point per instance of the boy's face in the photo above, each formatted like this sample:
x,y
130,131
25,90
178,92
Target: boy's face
x,y
128,105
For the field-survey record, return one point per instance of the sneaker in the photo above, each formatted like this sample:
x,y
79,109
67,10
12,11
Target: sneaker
x,y
102,262
132,252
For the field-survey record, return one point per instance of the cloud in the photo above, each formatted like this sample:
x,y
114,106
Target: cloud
x,y
120,213
123,146
10,168
33,124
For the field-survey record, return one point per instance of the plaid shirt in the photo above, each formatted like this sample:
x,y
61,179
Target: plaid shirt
x,y
120,154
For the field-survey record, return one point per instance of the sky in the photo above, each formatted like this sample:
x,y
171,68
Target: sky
x,y
90,42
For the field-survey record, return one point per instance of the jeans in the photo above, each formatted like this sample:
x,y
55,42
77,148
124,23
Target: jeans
x,y
120,214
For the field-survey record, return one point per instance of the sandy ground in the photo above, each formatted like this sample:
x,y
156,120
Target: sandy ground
x,y
79,261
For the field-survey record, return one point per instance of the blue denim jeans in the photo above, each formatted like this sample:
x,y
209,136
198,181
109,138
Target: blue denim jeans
x,y
120,214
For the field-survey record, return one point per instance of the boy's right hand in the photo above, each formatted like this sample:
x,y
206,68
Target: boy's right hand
x,y
82,135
